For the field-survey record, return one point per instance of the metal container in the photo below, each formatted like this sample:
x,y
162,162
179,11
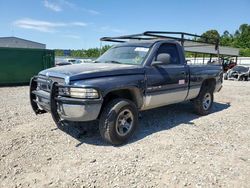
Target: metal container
x,y
18,65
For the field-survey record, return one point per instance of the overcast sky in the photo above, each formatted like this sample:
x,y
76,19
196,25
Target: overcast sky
x,y
77,24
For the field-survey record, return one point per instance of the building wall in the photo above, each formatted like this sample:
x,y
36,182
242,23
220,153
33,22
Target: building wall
x,y
13,42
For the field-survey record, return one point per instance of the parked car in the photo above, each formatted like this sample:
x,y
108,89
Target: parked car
x,y
129,78
85,60
238,73
62,63
70,62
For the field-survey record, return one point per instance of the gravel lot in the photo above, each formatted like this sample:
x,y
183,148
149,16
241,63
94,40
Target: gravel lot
x,y
173,147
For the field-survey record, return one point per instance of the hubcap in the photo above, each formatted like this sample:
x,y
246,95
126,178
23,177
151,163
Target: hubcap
x,y
124,122
207,101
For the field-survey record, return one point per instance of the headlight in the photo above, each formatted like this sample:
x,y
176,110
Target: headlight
x,y
85,93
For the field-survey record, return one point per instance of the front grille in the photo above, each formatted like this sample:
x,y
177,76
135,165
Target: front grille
x,y
44,83
60,81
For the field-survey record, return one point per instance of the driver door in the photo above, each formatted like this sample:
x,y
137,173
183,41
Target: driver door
x,y
166,83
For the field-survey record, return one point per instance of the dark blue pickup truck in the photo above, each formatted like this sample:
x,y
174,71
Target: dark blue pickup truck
x,y
130,77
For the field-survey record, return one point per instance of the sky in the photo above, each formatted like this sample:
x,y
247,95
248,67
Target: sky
x,y
79,24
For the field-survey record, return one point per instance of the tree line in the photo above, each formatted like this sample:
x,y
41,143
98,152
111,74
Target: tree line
x,y
83,53
239,39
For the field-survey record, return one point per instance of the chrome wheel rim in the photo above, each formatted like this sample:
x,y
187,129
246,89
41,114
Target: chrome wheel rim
x,y
207,100
124,122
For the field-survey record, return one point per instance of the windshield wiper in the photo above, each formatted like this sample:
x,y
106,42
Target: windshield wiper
x,y
116,62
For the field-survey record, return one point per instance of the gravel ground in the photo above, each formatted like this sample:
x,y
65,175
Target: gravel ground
x,y
173,147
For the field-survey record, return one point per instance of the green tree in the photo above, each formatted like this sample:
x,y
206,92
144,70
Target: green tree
x,y
210,36
59,52
245,52
84,53
226,39
105,48
242,36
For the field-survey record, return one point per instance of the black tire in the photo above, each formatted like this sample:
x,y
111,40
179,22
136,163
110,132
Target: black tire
x,y
110,128
201,108
241,78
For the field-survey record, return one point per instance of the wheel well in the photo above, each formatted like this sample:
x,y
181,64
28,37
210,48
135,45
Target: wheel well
x,y
130,94
209,83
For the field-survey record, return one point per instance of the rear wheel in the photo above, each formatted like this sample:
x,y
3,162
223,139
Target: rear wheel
x,y
203,103
118,121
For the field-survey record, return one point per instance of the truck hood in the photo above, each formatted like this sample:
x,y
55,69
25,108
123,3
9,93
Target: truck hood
x,y
92,70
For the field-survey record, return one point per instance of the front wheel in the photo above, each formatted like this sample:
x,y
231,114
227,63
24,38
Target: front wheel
x,y
203,103
118,121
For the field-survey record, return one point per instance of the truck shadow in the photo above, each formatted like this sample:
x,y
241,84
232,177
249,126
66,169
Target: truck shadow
x,y
152,121
168,117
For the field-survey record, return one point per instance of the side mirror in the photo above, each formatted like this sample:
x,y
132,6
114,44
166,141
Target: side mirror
x,y
162,59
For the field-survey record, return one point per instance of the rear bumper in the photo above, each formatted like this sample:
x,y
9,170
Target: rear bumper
x,y
66,108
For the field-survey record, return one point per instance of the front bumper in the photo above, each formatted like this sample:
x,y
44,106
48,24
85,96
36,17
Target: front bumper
x,y
61,107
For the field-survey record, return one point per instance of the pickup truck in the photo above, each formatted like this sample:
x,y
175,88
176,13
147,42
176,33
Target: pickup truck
x,y
128,78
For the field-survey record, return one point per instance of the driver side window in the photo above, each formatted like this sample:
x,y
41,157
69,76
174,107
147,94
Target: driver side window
x,y
170,49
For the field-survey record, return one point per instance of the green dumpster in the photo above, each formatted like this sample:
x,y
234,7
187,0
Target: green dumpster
x,y
18,65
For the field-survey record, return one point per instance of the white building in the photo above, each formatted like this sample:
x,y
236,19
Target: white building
x,y
15,42
244,61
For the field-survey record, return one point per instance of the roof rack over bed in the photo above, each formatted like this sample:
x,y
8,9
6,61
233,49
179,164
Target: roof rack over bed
x,y
190,42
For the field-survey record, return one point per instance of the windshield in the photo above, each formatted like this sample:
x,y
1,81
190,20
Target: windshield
x,y
124,55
